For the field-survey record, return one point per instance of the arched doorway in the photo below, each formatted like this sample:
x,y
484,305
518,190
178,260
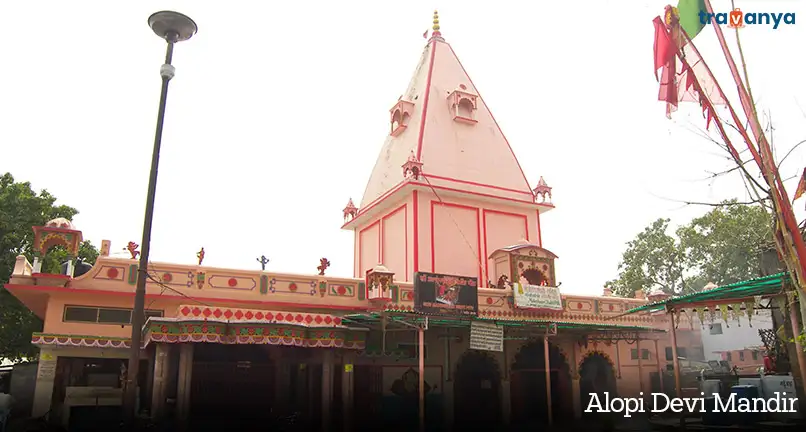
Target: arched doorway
x,y
528,386
477,392
596,376
535,277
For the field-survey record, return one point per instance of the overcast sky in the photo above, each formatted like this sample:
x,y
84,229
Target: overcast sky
x,y
278,111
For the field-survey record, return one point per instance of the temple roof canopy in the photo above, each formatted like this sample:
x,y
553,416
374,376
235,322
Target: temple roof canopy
x,y
523,245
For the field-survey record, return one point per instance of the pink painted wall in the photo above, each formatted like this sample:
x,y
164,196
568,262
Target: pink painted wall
x,y
456,231
369,247
394,241
386,239
54,320
466,231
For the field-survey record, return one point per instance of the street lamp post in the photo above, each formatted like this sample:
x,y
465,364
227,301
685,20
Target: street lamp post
x,y
173,27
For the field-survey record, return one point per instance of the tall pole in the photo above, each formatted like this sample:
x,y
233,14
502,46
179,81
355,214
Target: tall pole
x,y
547,361
138,315
675,359
421,383
173,27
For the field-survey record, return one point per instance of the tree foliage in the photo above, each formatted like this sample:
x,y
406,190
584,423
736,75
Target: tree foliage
x,y
22,208
723,246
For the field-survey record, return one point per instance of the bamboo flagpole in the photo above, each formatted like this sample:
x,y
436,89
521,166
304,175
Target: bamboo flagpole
x,y
791,245
678,42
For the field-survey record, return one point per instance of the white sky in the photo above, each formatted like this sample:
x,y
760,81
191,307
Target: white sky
x,y
279,109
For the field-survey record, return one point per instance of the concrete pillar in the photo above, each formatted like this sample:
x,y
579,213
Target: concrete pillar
x,y
327,388
506,402
159,387
43,390
183,383
348,389
576,397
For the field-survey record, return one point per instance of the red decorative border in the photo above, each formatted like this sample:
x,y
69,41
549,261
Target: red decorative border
x,y
255,340
416,228
79,341
225,314
382,241
360,256
470,183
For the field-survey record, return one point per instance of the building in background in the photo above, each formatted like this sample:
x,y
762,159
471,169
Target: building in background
x,y
737,341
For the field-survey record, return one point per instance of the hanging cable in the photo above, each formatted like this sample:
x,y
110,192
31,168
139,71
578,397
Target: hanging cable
x,y
165,287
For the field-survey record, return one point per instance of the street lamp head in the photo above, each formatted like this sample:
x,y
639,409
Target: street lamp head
x,y
172,26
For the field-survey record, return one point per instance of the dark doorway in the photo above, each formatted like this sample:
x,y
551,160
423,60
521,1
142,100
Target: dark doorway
x,y
368,387
528,386
232,386
477,392
596,376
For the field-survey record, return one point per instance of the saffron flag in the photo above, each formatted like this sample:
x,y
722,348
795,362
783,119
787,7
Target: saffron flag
x,y
801,186
692,16
685,76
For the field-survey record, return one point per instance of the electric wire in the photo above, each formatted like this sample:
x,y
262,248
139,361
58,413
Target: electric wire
x,y
470,245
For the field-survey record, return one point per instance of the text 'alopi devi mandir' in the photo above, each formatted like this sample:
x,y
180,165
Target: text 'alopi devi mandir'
x,y
453,311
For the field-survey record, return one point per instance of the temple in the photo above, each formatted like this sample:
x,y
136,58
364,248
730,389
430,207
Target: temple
x,y
454,301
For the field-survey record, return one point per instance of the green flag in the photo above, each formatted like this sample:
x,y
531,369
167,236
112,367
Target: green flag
x,y
692,16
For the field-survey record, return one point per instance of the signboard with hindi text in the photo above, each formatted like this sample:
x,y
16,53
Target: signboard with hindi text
x,y
486,336
537,297
441,294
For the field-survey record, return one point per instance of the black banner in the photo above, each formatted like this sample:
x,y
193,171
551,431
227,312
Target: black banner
x,y
446,294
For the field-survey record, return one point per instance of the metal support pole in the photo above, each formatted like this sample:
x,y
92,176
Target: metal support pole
x,y
675,360
547,360
138,314
640,368
421,384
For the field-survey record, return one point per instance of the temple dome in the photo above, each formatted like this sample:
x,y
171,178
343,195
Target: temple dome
x,y
60,222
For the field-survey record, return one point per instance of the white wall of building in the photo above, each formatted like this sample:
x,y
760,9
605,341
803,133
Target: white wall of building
x,y
734,335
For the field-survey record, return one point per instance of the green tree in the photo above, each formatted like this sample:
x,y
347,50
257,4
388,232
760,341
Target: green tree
x,y
723,246
652,260
726,244
22,208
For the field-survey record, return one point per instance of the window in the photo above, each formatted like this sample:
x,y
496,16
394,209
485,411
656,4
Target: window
x,y
97,315
741,355
755,355
114,316
716,329
644,354
728,356
681,352
80,314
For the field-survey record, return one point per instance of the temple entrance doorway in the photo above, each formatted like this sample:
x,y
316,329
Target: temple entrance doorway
x,y
528,386
596,376
232,386
477,392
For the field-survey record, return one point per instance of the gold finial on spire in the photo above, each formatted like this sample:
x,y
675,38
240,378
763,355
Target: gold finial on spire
x,y
436,22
